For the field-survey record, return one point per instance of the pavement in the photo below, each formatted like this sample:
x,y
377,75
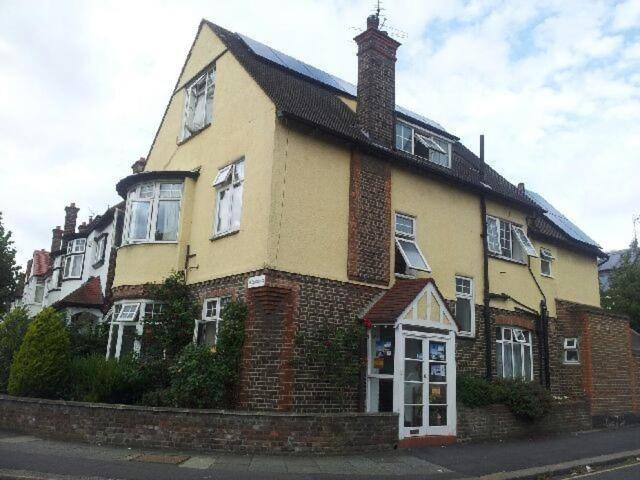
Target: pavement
x,y
596,455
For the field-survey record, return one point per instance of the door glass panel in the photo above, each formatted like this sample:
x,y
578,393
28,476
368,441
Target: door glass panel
x,y
413,349
382,348
437,394
413,416
438,415
438,384
413,393
412,371
437,372
385,401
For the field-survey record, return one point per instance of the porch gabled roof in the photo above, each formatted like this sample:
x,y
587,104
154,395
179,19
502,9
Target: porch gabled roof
x,y
89,294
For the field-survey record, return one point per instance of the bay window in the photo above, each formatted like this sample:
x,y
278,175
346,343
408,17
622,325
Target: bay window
x,y
508,240
229,185
208,327
74,259
513,353
465,306
153,212
198,106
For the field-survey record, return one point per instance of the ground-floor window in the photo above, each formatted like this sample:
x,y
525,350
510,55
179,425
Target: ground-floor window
x,y
207,327
380,374
127,319
513,353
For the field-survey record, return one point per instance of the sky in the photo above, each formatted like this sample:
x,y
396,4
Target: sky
x,y
553,85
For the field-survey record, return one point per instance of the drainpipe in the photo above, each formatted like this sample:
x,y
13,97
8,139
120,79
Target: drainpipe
x,y
486,314
543,333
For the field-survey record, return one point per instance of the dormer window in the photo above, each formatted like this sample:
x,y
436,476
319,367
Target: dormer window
x,y
198,111
423,144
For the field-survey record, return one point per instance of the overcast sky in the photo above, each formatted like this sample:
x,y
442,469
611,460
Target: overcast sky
x,y
554,86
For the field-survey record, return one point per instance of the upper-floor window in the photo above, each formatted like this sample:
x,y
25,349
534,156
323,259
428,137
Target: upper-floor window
x,y
99,248
39,290
546,262
208,327
423,144
229,185
508,240
74,259
465,306
513,353
153,212
198,111
408,254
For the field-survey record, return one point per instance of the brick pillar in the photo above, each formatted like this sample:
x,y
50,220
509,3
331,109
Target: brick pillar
x,y
377,83
56,239
369,220
266,381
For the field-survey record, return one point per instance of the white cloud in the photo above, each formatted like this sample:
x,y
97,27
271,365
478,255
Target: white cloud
x,y
554,84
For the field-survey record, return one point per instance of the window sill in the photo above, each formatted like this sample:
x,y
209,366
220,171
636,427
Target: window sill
x,y
468,335
218,236
571,363
507,259
148,242
404,275
71,278
546,276
194,134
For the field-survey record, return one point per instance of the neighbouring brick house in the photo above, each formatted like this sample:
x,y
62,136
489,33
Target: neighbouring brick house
x,y
320,203
75,276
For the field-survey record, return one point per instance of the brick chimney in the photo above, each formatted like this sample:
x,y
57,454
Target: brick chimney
x,y
27,273
377,83
56,239
70,218
138,165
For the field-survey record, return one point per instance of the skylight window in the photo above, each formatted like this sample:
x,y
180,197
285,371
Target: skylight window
x,y
423,144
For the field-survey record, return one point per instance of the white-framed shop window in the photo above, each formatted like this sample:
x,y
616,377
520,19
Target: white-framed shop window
x,y
408,254
127,319
507,240
198,103
513,353
153,212
208,326
546,262
74,259
465,306
571,351
229,183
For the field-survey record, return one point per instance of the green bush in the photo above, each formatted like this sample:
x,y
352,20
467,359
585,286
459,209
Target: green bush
x,y
527,400
229,347
87,338
12,330
41,366
197,379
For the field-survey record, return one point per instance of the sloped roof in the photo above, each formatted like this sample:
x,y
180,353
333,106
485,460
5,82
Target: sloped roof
x,y
40,262
89,294
304,99
395,300
615,257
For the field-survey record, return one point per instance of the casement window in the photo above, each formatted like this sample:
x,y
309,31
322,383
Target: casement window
x,y
99,248
229,186
513,353
39,290
465,306
423,144
153,212
126,325
408,254
74,259
508,240
198,104
546,262
571,351
207,328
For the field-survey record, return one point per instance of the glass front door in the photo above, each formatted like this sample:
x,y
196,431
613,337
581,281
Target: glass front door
x,y
426,385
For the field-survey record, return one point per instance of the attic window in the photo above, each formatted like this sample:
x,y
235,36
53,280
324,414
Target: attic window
x,y
422,144
198,111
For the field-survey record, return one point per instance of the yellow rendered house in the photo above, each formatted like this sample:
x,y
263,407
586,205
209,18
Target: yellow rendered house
x,y
321,203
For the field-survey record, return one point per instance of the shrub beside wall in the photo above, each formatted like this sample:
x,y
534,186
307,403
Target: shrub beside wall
x,y
12,331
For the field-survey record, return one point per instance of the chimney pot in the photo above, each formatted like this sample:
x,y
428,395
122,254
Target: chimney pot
x,y
138,165
373,21
521,188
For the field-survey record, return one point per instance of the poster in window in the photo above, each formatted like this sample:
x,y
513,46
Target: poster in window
x,y
437,351
437,372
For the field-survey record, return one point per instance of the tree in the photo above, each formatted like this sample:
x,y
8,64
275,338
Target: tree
x,y
12,330
41,366
8,269
623,295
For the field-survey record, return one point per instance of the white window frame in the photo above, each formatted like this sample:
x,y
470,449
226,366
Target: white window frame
x,y
207,320
571,344
136,317
39,287
209,79
153,199
99,248
76,249
466,296
409,238
546,257
504,233
426,138
526,346
524,241
229,179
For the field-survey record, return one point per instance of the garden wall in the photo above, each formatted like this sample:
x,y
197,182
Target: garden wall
x,y
206,430
497,421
